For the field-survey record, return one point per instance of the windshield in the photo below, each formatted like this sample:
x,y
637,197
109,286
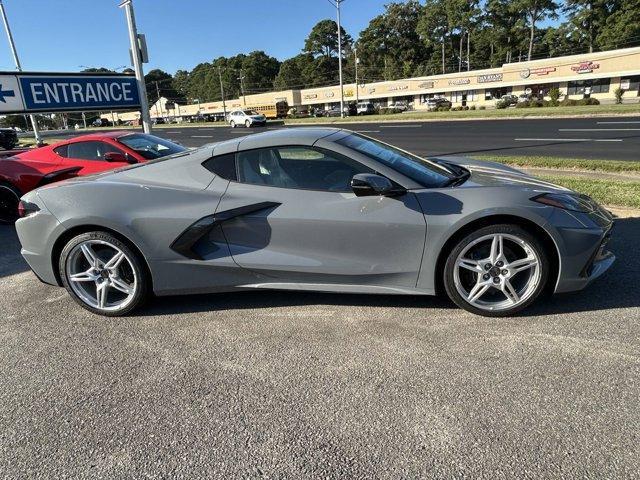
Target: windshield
x,y
426,173
251,112
150,146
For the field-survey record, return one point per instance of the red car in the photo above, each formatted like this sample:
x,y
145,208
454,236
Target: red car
x,y
82,155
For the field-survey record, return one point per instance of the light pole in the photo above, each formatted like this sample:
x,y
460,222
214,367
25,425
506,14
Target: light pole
x,y
356,61
224,103
336,3
244,98
34,122
137,64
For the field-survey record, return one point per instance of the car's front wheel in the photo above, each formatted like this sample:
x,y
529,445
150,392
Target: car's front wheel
x,y
232,124
496,271
247,124
103,274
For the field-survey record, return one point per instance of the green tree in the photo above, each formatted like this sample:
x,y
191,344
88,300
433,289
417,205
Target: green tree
x,y
160,84
622,28
535,11
586,18
323,39
433,28
293,72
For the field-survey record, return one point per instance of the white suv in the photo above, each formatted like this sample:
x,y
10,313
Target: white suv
x,y
248,118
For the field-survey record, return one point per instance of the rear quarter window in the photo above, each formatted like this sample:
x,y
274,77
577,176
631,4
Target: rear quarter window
x,y
223,166
61,150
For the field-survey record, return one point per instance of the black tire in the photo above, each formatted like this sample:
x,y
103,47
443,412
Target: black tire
x,y
232,124
247,124
507,229
9,199
136,262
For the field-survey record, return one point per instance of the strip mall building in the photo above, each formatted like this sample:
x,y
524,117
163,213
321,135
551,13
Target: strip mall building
x,y
597,75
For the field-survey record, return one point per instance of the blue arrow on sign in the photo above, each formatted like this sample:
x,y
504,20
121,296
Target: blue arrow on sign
x,y
6,93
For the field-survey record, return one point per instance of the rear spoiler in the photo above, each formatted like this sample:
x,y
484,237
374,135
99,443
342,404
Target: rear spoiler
x,y
58,175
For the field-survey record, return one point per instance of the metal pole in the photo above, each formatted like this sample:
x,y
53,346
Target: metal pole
x,y
34,123
340,58
244,98
356,60
137,64
84,120
224,104
159,102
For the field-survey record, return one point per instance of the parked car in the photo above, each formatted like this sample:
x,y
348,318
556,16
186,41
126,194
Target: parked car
x,y
509,99
438,102
366,108
248,118
8,138
400,106
329,112
101,122
83,155
524,98
313,209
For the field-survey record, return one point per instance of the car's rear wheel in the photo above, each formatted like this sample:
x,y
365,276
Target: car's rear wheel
x,y
103,274
233,124
496,271
9,199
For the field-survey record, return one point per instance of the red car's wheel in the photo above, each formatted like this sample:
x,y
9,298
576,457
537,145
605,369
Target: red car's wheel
x,y
9,199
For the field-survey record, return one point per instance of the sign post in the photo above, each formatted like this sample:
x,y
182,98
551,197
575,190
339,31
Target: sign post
x,y
135,41
34,122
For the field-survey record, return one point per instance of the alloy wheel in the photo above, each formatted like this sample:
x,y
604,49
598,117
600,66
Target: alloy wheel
x,y
497,272
102,275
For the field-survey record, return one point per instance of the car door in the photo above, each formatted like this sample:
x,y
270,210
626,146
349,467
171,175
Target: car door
x,y
292,217
89,155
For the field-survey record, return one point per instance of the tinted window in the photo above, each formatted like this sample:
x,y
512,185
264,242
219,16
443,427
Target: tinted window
x,y
223,166
150,146
422,171
62,150
93,150
299,167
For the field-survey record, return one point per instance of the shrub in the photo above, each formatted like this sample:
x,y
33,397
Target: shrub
x,y
501,104
473,107
618,93
524,104
554,94
568,102
465,108
482,107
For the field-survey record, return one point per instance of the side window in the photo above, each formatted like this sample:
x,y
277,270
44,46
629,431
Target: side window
x,y
92,150
61,150
299,167
223,166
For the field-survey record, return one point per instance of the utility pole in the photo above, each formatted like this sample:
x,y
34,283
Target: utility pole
x,y
224,103
137,64
159,102
356,61
338,2
34,122
84,120
244,98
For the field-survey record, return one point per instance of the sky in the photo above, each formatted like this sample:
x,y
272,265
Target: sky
x,y
69,35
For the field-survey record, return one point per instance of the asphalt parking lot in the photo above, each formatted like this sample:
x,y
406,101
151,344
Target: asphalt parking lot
x,y
302,385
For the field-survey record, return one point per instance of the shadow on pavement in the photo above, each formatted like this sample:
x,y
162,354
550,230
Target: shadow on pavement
x,y
11,262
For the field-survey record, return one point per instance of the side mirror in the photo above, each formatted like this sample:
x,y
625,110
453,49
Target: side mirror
x,y
370,184
116,157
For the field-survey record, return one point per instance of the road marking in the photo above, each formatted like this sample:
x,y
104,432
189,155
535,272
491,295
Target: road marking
x,y
599,129
173,132
568,139
203,129
615,123
201,136
367,131
400,126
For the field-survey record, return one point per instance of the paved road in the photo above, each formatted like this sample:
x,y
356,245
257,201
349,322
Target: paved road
x,y
301,385
616,138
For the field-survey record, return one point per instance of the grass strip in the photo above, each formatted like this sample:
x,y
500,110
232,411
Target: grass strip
x,y
557,163
606,192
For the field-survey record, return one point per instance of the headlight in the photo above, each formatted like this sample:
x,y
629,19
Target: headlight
x,y
568,201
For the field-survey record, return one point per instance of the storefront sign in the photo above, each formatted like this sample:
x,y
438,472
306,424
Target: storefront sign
x,y
372,90
55,92
398,87
427,85
310,96
585,67
491,77
625,84
527,72
460,81
329,95
348,93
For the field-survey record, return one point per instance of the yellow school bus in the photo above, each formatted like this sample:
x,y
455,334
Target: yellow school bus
x,y
271,111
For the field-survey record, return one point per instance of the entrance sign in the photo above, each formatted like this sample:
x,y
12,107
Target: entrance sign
x,y
55,92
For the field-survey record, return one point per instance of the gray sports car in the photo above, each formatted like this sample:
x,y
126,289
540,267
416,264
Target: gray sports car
x,y
313,209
